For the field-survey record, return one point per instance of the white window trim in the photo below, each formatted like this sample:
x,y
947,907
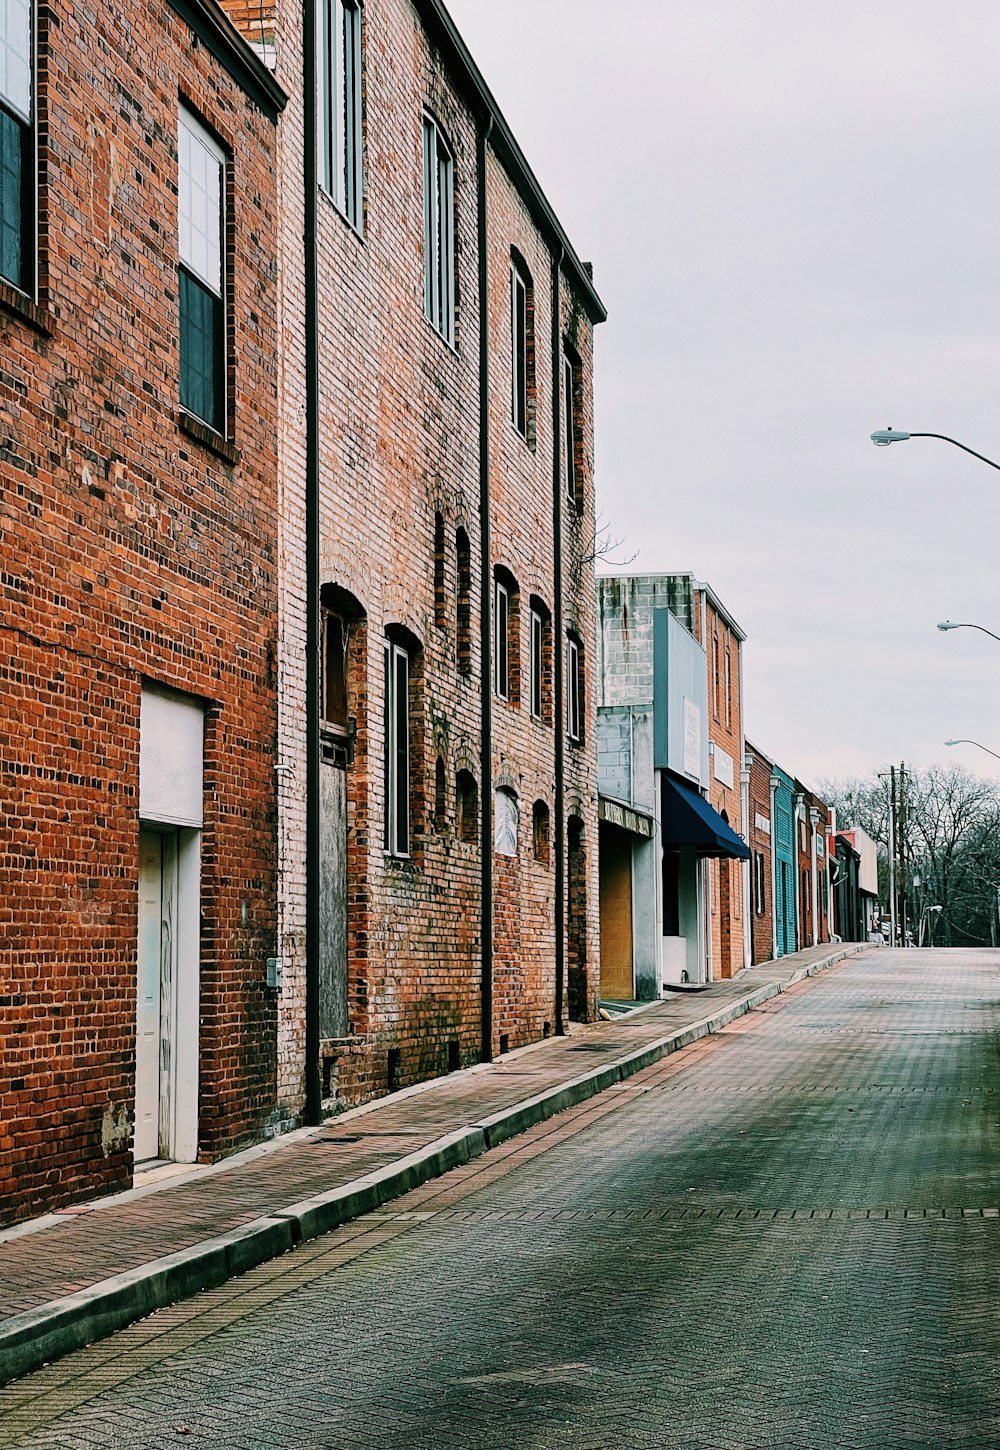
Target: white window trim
x,y
535,687
339,135
518,352
501,655
439,231
569,427
393,653
572,689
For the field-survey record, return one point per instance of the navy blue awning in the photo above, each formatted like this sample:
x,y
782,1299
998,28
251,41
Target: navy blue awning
x,y
690,824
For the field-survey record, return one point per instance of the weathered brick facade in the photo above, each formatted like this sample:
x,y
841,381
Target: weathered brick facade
x,y
134,551
722,641
402,559
760,841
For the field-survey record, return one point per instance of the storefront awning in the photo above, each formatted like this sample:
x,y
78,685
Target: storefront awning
x,y
690,824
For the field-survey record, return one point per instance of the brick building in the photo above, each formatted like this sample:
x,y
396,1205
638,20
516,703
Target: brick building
x,y
437,772
722,639
660,837
812,826
138,505
760,838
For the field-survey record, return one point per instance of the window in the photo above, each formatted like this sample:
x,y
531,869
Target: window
x,y
716,670
397,750
759,884
334,670
569,426
439,232
440,601
574,689
522,350
339,75
537,624
440,797
463,639
466,807
729,687
501,641
506,818
201,217
17,147
540,832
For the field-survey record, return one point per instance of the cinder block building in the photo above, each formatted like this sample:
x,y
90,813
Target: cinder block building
x,y
437,758
138,650
660,835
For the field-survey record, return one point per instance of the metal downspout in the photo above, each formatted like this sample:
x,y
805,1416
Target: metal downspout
x,y
558,651
774,783
485,610
313,1103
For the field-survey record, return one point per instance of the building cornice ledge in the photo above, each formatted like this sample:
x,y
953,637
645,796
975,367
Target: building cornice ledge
x,y
441,28
219,35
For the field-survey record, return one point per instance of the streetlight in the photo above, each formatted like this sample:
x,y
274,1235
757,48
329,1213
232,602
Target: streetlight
x,y
882,437
926,919
950,624
976,744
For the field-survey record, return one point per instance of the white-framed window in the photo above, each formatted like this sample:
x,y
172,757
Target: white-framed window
x,y
201,215
537,639
574,689
339,104
519,349
397,750
501,640
506,821
569,426
17,146
439,231
759,883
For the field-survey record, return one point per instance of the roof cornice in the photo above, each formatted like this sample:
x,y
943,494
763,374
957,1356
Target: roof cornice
x,y
443,31
219,35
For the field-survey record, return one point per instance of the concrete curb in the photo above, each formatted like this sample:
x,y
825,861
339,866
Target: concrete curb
x,y
34,1338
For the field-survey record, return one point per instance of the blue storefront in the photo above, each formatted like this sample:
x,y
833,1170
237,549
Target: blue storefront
x,y
785,895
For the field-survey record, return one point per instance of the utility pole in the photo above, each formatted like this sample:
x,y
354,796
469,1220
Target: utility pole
x,y
901,838
892,855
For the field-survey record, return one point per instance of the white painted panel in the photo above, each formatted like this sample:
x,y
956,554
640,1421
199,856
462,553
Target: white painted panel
x,y
147,1045
722,767
171,751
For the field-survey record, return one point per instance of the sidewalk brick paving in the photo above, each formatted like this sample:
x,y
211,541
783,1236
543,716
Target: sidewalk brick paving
x,y
61,1255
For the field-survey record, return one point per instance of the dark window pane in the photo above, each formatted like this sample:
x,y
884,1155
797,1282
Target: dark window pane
x,y
15,201
387,782
202,367
402,703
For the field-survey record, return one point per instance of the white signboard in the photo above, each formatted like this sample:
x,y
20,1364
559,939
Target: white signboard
x,y
762,823
171,748
692,739
722,767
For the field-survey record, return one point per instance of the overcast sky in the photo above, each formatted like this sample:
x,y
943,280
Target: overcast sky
x,y
793,211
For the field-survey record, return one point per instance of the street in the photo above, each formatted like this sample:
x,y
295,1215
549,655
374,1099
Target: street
x,y
787,1235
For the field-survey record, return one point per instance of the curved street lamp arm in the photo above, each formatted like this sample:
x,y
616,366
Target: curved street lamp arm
x,y
982,630
945,439
976,744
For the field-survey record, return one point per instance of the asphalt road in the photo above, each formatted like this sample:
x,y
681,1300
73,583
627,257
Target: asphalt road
x,y
786,1236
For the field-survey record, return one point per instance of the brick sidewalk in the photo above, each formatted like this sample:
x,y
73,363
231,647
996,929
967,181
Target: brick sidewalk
x,y
73,1276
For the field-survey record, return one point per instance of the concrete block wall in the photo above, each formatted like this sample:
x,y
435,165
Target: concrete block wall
x,y
625,630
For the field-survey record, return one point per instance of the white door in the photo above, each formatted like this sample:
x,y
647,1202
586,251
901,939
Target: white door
x,y
147,1045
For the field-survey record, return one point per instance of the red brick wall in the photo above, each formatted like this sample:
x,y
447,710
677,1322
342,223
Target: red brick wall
x,y
759,840
130,551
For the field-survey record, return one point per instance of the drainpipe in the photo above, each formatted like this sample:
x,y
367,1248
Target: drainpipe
x,y
313,1086
774,783
813,821
558,648
485,608
799,815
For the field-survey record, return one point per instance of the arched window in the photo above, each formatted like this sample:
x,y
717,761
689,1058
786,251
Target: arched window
x,y
466,807
540,666
540,832
574,688
506,819
440,797
463,638
402,762
440,598
506,636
